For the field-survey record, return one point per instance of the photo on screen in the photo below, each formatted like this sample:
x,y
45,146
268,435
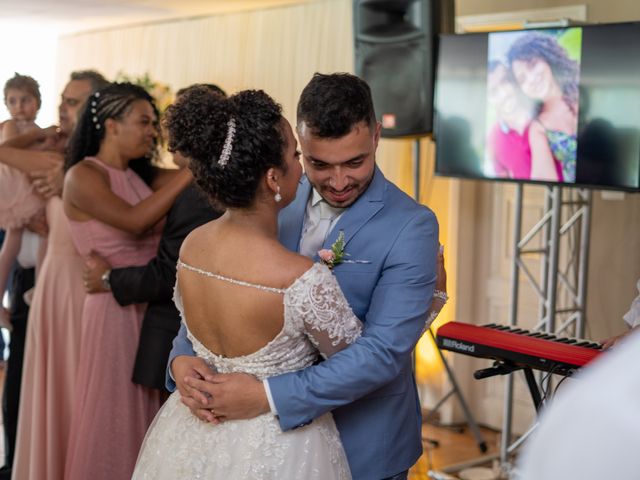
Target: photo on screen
x,y
550,106
532,104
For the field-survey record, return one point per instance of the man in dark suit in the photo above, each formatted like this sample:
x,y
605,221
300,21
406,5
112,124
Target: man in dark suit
x,y
153,283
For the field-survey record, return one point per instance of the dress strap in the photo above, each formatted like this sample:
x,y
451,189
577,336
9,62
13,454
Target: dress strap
x,y
186,266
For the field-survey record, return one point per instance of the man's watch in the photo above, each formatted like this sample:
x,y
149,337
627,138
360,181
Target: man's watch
x,y
106,284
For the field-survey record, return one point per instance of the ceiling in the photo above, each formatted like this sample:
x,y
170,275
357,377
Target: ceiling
x,y
80,15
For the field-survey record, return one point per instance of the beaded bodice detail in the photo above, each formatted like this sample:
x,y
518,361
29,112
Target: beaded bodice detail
x,y
317,320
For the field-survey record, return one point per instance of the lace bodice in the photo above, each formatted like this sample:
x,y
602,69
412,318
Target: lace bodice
x,y
317,320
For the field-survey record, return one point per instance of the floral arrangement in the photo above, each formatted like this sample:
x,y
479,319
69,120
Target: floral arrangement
x,y
335,255
161,92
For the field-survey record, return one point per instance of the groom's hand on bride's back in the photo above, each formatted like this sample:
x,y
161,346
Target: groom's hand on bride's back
x,y
183,368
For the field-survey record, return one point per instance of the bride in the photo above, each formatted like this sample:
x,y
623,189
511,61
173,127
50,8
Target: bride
x,y
249,304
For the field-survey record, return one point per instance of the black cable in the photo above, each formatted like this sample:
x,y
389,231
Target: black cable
x,y
546,392
559,383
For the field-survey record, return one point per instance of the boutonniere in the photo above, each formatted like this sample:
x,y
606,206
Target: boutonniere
x,y
334,255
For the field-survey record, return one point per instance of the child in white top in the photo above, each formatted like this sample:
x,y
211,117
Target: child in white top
x,y
19,199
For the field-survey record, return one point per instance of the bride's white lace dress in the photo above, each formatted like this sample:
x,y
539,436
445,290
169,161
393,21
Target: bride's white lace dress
x,y
317,320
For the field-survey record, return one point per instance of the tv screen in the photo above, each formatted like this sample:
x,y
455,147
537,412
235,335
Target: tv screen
x,y
553,106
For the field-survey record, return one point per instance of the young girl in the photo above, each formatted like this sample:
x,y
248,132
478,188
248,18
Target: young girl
x,y
19,200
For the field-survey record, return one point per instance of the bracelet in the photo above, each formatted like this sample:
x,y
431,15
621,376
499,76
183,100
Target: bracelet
x,y
106,284
441,295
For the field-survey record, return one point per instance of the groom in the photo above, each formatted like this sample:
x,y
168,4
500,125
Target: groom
x,y
387,276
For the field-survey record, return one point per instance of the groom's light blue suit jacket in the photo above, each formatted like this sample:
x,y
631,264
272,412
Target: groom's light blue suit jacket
x,y
392,244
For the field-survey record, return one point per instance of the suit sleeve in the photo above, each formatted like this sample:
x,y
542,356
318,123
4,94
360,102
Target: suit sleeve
x,y
154,281
393,325
181,346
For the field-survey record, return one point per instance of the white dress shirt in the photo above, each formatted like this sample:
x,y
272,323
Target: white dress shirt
x,y
320,218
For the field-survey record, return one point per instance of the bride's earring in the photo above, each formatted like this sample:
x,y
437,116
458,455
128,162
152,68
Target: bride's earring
x,y
277,197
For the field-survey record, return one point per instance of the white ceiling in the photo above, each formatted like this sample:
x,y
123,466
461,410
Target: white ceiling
x,y
81,15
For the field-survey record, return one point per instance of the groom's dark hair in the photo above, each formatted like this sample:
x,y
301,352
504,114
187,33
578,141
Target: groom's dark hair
x,y
330,105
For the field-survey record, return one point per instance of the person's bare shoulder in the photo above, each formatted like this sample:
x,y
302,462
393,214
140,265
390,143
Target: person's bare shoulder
x,y
9,129
536,129
293,265
197,242
85,173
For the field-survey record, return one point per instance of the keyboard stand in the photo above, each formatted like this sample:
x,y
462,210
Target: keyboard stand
x,y
504,368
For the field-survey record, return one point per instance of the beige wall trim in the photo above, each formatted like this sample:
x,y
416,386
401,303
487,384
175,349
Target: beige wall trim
x,y
572,12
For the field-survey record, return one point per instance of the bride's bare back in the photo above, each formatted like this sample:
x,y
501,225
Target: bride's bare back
x,y
230,319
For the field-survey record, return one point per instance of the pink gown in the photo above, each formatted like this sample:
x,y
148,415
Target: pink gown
x,y
51,356
18,199
111,414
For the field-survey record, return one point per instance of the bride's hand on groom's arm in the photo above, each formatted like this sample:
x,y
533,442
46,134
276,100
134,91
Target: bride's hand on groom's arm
x,y
230,396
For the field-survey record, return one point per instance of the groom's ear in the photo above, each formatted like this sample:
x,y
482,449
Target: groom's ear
x,y
377,133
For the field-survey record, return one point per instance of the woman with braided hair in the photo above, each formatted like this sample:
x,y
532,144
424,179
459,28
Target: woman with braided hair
x,y
115,200
547,75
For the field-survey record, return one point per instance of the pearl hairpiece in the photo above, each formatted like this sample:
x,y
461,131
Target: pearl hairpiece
x,y
228,142
94,104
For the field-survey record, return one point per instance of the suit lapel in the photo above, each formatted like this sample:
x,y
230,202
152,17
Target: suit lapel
x,y
353,219
291,218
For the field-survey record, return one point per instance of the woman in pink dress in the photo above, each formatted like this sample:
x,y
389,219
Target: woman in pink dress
x,y
53,331
113,211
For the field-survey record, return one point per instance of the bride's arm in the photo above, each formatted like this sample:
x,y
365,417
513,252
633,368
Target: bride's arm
x,y
440,296
329,322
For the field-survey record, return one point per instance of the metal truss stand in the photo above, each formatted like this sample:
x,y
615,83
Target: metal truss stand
x,y
561,289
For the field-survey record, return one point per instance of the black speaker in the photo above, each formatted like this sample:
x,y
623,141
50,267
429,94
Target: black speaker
x,y
395,48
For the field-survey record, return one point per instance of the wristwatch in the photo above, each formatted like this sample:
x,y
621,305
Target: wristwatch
x,y
106,284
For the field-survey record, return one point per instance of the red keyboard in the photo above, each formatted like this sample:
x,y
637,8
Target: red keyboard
x,y
538,350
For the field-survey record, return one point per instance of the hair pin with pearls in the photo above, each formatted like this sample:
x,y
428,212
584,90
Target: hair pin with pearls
x,y
228,142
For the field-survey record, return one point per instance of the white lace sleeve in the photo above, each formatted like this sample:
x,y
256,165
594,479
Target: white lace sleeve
x,y
438,301
328,320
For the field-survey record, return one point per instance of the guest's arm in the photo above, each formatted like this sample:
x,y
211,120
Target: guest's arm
x,y
29,138
138,284
542,162
87,190
29,161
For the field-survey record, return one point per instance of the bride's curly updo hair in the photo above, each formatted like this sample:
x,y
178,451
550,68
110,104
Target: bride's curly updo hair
x,y
231,142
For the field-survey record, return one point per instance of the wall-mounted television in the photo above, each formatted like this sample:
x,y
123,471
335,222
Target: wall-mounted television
x,y
552,106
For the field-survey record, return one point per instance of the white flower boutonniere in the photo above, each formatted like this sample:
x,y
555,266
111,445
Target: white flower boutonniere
x,y
335,255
